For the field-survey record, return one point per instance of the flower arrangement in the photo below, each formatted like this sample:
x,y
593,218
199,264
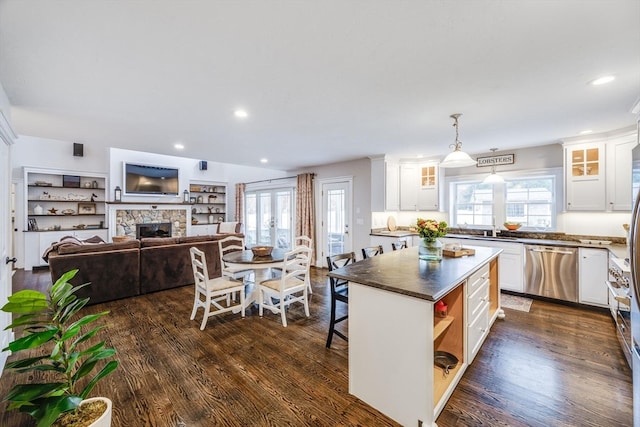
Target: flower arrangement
x,y
430,229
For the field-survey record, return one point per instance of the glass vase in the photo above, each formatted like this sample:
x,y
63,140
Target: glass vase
x,y
430,250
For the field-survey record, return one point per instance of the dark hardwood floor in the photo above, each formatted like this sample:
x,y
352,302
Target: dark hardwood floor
x,y
553,366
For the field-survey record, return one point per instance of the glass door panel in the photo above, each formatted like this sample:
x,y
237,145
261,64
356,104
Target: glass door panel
x,y
269,218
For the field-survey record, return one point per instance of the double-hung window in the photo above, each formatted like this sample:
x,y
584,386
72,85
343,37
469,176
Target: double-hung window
x,y
473,203
530,201
527,200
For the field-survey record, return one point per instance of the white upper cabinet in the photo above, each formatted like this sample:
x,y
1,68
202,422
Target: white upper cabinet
x,y
384,185
598,172
419,186
584,177
619,172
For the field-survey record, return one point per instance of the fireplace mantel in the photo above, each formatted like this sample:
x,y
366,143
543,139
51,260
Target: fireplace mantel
x,y
148,204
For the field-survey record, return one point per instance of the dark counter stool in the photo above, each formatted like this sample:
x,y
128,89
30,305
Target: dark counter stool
x,y
400,244
339,292
371,251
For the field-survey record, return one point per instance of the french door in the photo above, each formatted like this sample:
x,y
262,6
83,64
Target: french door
x,y
336,217
269,217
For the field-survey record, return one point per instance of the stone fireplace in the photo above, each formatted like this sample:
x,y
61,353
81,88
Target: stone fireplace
x,y
162,221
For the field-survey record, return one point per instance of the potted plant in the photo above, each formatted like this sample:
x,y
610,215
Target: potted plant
x,y
49,324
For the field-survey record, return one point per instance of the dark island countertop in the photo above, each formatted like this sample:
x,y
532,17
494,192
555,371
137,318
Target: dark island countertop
x,y
403,273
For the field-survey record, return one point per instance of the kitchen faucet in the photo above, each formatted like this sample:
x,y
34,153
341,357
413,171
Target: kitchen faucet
x,y
494,232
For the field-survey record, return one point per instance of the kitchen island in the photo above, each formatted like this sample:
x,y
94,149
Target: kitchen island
x,y
394,329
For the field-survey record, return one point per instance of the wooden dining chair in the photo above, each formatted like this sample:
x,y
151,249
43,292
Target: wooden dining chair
x,y
339,292
214,290
400,244
371,251
231,244
292,285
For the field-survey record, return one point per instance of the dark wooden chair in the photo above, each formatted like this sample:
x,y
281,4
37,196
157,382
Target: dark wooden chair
x,y
400,244
371,251
339,292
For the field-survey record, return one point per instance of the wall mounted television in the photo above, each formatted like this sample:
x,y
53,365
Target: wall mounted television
x,y
150,180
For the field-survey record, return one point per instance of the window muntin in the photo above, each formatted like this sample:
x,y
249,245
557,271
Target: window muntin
x,y
473,203
530,201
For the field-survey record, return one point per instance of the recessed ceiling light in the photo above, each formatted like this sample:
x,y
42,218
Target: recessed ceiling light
x,y
419,156
178,146
586,132
241,114
602,80
264,160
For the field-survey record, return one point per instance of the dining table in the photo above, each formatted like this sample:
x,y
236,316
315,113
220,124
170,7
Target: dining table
x,y
261,265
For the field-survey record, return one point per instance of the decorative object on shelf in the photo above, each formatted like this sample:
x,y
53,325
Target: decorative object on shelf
x,y
38,210
194,211
68,212
117,194
211,219
200,199
217,210
86,208
32,224
43,184
194,221
441,309
186,197
430,248
457,158
56,227
53,211
71,181
512,225
192,200
93,197
79,226
212,198
220,219
94,184
87,184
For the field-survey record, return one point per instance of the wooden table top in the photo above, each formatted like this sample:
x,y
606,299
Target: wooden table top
x,y
247,257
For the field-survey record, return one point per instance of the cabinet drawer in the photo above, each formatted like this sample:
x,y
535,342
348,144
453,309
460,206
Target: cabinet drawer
x,y
476,300
478,329
477,279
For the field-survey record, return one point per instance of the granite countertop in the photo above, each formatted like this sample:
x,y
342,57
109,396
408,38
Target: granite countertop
x,y
616,248
403,273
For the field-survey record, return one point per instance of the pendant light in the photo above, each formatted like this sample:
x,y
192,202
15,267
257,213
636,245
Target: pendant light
x,y
457,158
493,177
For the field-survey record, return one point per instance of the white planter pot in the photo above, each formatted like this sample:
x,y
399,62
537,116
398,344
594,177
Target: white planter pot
x,y
105,419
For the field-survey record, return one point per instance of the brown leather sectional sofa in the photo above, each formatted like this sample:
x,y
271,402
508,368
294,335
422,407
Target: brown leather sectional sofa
x,y
134,267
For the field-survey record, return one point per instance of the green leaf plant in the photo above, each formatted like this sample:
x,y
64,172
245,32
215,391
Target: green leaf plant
x,y
48,324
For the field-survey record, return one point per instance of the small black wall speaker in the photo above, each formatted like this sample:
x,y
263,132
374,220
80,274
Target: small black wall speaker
x,y
203,165
78,149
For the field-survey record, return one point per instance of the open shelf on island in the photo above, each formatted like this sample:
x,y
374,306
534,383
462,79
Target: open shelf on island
x,y
441,325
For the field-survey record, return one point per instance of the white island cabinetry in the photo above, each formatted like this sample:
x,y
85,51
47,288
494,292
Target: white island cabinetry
x,y
391,363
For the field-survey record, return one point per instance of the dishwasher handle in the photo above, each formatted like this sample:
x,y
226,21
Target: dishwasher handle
x,y
552,252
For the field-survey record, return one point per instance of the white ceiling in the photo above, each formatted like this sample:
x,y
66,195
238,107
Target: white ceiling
x,y
323,81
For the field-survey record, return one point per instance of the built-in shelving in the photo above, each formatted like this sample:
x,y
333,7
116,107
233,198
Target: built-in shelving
x,y
59,203
208,203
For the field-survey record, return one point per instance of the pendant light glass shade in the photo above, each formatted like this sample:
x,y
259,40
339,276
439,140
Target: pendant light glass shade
x,y
457,158
493,177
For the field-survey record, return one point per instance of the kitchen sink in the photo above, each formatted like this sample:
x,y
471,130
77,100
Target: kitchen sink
x,y
497,237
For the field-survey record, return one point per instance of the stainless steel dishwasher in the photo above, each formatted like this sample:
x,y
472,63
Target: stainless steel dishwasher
x,y
552,272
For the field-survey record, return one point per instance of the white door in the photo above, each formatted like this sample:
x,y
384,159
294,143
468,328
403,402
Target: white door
x,y
336,218
5,238
269,218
